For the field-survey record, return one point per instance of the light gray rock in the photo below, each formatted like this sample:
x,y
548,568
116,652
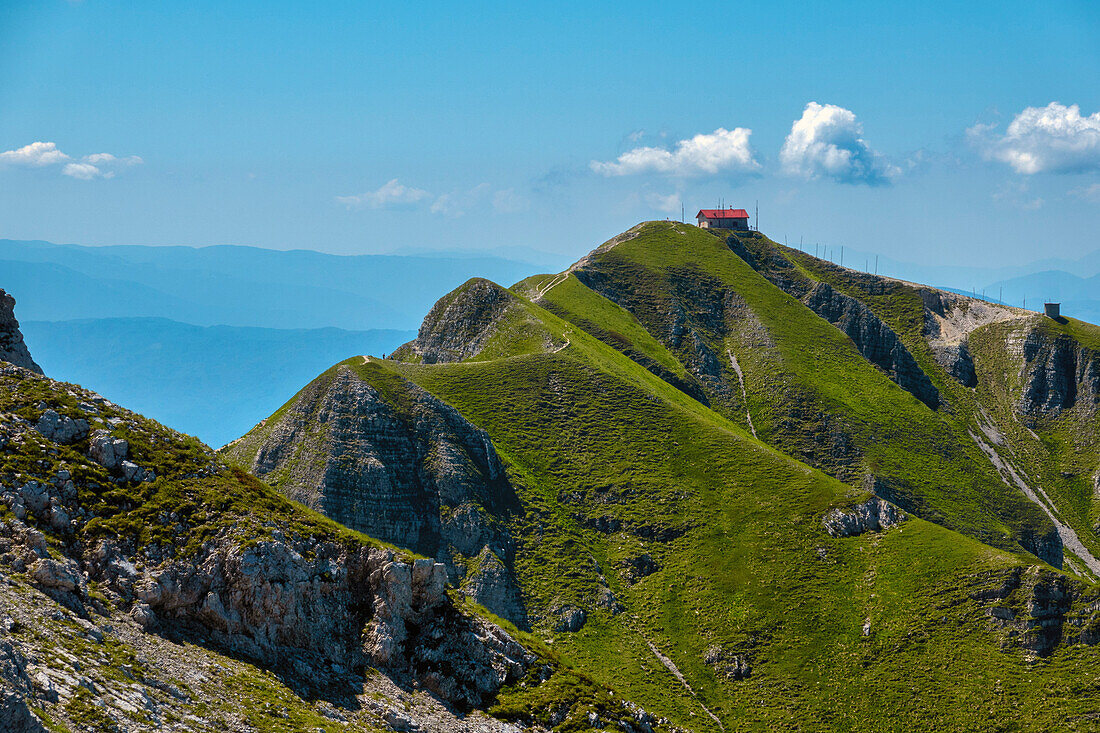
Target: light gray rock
x,y
36,497
570,619
59,518
16,689
873,515
143,614
54,574
107,451
61,429
492,585
420,475
133,472
12,348
1059,374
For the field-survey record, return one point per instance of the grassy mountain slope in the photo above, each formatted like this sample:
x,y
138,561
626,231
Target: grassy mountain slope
x,y
807,388
1000,350
698,554
147,585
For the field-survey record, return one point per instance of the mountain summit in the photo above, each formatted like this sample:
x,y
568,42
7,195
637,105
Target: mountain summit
x,y
745,486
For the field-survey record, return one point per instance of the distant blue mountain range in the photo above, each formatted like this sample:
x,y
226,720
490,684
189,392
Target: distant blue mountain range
x,y
236,286
209,340
214,382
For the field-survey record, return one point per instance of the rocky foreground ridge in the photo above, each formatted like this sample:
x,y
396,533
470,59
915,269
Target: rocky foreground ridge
x,y
144,585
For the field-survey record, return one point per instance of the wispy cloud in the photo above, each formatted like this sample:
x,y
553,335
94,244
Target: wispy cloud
x,y
1018,195
722,151
1087,193
389,195
827,142
666,204
396,195
507,201
1051,139
45,154
457,203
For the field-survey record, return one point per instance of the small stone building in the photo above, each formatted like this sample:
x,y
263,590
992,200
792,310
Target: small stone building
x,y
723,219
1053,310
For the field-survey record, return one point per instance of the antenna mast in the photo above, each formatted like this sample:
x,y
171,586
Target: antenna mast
x,y
758,215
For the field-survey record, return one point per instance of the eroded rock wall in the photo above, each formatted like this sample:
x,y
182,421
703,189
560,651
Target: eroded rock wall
x,y
1059,374
875,340
313,602
417,474
12,347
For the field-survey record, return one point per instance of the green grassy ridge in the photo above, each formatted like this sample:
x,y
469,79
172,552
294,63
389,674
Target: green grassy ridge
x,y
1084,333
717,583
928,458
1066,445
586,433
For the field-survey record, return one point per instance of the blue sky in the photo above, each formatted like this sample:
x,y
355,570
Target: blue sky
x,y
961,132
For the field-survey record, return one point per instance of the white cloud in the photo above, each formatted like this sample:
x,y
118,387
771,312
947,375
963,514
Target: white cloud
x,y
1051,139
722,151
827,142
390,195
37,154
44,154
1017,194
85,171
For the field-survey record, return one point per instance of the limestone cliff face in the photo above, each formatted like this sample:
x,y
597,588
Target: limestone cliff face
x,y
1039,610
404,467
12,347
469,314
471,319
278,587
875,340
1059,374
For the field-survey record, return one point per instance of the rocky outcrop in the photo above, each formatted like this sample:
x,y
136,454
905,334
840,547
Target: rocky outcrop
x,y
458,325
873,515
12,347
416,474
945,337
464,322
16,689
1059,374
493,585
325,605
876,341
728,664
302,598
957,361
1040,610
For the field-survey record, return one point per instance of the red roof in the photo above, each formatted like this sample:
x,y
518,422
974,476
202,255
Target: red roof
x,y
723,214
